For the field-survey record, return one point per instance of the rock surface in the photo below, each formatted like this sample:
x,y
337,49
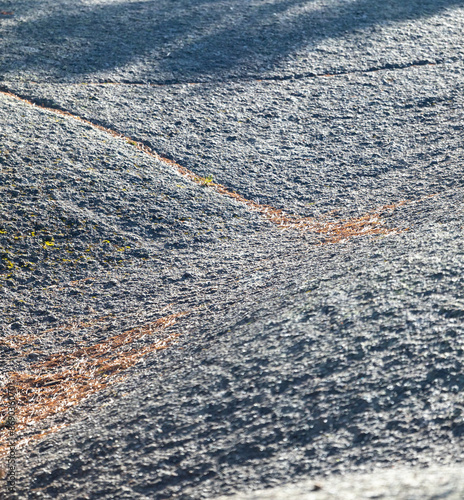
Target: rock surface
x,y
171,332
407,484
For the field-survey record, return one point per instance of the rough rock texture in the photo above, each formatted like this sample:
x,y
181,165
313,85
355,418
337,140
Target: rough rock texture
x,y
158,41
345,143
224,352
406,484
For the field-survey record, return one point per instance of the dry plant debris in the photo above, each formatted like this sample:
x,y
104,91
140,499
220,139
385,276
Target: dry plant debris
x,y
16,341
65,379
333,232
79,325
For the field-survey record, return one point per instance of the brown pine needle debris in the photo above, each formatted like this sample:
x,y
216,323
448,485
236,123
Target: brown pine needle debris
x,y
80,324
333,232
65,379
16,341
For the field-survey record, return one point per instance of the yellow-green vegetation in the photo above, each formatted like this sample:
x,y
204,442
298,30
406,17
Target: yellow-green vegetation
x,y
205,181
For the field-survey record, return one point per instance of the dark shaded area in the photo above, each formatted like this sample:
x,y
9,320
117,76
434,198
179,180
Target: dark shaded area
x,y
192,40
